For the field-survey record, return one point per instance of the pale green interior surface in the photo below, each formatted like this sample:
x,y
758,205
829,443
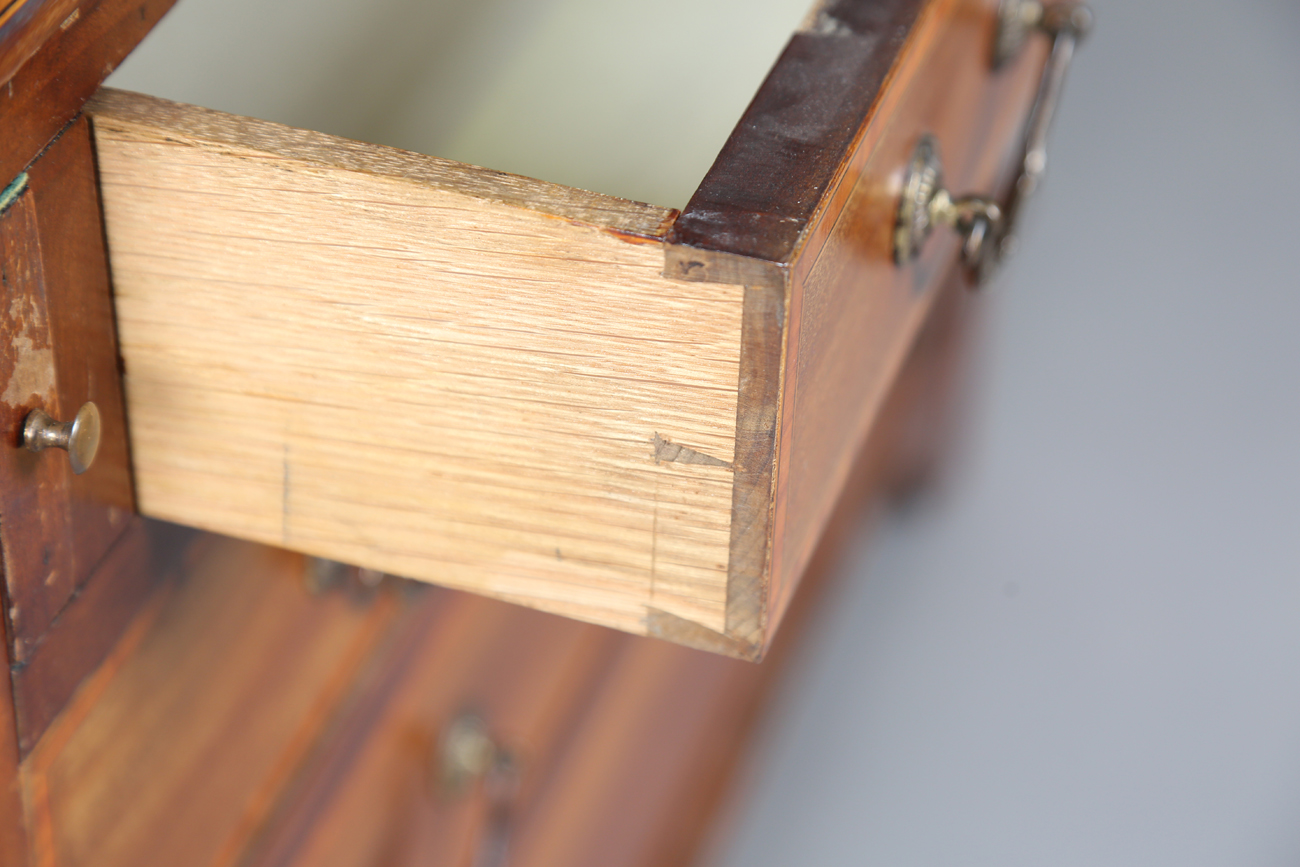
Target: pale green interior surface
x,y
631,99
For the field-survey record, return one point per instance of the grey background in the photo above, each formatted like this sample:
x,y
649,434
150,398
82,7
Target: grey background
x,y
1085,648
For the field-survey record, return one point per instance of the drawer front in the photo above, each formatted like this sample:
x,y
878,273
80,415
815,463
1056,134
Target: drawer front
x,y
175,750
401,777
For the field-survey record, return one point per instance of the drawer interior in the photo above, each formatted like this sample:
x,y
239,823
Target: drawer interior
x,y
627,99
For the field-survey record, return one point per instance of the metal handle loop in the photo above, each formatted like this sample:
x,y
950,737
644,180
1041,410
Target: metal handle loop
x,y
1067,22
988,227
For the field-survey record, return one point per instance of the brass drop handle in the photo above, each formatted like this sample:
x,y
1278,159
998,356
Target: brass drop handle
x,y
926,203
1067,22
986,226
79,437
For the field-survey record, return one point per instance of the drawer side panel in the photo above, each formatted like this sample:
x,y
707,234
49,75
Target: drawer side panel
x,y
366,359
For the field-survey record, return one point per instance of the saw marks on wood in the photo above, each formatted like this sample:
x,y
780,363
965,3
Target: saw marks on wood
x,y
418,366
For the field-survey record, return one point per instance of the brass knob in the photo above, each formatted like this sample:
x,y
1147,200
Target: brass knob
x,y
926,203
468,753
79,437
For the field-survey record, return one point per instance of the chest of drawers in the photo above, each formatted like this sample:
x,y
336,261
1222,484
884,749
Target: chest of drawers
x,y
307,351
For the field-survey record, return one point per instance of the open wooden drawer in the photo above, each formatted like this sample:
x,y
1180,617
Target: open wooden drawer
x,y
619,412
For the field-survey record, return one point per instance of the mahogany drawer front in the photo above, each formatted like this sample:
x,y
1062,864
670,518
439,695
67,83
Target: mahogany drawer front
x,y
590,406
177,747
379,788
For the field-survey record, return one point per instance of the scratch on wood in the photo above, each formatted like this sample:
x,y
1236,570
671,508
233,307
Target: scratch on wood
x,y
284,499
670,452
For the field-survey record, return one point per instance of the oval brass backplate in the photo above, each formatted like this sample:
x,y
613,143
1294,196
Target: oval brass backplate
x,y
925,203
924,179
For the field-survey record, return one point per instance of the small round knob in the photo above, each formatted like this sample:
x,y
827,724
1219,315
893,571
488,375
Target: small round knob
x,y
79,437
468,753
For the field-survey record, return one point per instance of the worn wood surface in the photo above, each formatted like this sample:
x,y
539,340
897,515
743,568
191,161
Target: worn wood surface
x,y
790,145
176,750
57,352
90,624
225,693
419,367
49,89
39,575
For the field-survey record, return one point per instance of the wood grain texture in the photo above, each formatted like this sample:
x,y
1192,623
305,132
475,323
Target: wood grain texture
x,y
506,395
802,200
50,87
58,352
176,750
419,367
26,24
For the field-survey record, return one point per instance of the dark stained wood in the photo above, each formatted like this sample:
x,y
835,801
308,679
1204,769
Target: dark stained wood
x,y
770,176
629,782
920,424
60,352
683,746
26,24
89,626
47,92
176,750
240,711
238,719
